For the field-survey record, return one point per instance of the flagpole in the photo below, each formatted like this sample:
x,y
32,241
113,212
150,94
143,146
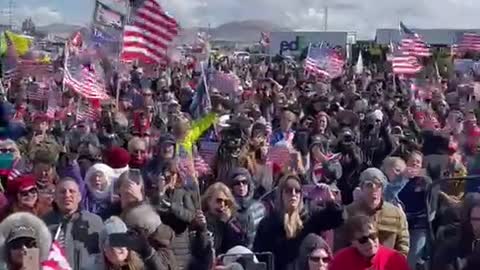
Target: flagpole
x,y
308,53
65,56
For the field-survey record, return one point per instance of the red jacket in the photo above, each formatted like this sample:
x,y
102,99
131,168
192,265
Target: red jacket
x,y
385,259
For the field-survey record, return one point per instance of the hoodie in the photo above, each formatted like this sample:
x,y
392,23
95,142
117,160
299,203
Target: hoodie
x,y
97,201
310,243
43,236
250,211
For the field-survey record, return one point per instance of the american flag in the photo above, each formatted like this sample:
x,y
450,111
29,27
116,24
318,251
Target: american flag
x,y
404,64
35,68
264,39
208,151
86,112
224,82
52,104
324,62
86,83
150,34
37,92
56,259
470,42
412,44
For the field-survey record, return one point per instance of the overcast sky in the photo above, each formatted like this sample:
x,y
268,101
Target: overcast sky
x,y
362,16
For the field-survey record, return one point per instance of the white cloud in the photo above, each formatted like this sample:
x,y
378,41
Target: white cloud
x,y
347,15
42,15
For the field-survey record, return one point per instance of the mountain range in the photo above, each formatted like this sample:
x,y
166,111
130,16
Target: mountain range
x,y
245,31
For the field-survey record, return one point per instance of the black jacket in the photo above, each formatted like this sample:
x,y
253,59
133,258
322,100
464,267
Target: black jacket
x,y
271,236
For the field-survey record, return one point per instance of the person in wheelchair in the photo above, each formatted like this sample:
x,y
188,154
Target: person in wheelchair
x,y
454,249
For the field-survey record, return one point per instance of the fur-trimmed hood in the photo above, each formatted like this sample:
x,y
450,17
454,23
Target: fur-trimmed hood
x,y
43,238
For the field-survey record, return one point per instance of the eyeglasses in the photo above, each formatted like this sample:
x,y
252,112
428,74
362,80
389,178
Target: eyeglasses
x,y
26,193
364,239
23,242
317,259
7,150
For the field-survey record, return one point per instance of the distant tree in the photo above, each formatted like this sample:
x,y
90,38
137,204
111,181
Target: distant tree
x,y
28,26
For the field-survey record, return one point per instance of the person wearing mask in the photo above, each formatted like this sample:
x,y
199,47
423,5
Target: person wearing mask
x,y
282,231
19,232
77,230
99,181
219,209
175,205
314,254
250,211
391,220
366,251
121,249
453,253
418,206
137,147
376,142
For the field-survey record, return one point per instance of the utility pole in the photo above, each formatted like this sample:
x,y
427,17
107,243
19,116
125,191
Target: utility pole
x,y
325,18
10,14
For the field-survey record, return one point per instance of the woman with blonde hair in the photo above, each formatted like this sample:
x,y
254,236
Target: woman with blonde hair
x,y
283,230
219,210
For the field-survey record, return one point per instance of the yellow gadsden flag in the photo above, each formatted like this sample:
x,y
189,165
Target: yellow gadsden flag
x,y
21,43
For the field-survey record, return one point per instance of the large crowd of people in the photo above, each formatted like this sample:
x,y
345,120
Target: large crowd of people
x,y
290,172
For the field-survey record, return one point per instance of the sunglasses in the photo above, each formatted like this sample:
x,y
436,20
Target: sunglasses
x,y
26,193
317,259
23,242
364,239
7,150
222,201
241,182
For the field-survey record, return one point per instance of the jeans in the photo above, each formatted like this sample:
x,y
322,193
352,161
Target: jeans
x,y
418,240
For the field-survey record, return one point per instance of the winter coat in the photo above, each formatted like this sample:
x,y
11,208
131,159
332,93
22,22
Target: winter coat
x,y
43,239
391,224
419,208
271,235
226,234
95,201
178,217
250,211
81,233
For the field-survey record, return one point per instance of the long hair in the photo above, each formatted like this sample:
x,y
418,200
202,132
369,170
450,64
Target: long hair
x,y
215,188
292,222
134,262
